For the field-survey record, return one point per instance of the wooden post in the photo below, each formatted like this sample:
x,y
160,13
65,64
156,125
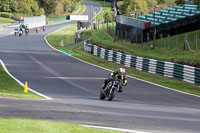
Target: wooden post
x,y
176,41
117,34
197,40
126,38
148,38
107,26
136,37
121,34
161,43
154,41
97,25
168,41
186,44
114,33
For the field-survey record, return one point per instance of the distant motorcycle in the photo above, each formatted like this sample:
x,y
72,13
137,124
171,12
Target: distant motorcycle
x,y
20,33
27,31
44,28
16,31
111,90
37,29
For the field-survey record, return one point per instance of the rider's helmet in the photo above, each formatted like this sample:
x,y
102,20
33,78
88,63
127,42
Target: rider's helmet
x,y
122,72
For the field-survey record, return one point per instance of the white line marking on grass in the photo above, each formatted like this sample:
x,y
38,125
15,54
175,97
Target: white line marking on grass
x,y
115,129
4,67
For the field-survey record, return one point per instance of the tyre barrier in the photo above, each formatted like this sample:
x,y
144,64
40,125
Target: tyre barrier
x,y
168,69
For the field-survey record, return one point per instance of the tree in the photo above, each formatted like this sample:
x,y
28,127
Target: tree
x,y
151,3
8,6
48,5
108,17
132,5
165,1
179,2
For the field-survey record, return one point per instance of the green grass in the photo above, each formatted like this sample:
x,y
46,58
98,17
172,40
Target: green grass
x,y
98,38
66,34
82,8
10,88
144,50
168,82
6,20
15,125
180,45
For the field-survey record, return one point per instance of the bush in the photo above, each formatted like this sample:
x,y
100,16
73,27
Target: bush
x,y
6,15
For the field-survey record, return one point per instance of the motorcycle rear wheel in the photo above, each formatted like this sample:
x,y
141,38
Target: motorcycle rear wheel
x,y
102,96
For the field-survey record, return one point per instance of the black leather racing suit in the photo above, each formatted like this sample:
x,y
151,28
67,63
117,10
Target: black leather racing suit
x,y
116,75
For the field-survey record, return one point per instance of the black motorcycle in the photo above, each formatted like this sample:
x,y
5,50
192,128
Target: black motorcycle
x,y
111,90
27,31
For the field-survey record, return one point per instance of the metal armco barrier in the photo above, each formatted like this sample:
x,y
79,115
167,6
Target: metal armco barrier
x,y
168,69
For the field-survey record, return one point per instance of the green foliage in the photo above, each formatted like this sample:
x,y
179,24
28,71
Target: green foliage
x,y
8,6
132,5
179,2
165,1
197,2
49,6
151,3
23,6
108,17
6,15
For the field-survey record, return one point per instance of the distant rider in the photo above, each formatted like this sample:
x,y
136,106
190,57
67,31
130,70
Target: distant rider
x,y
27,30
119,75
37,29
20,32
16,31
44,28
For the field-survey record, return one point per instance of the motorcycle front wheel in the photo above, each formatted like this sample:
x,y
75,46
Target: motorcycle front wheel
x,y
112,94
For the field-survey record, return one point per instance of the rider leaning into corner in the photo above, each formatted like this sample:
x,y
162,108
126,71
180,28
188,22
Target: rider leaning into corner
x,y
119,75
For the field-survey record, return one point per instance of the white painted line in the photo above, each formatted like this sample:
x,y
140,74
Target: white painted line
x,y
115,129
112,70
4,67
79,78
1,28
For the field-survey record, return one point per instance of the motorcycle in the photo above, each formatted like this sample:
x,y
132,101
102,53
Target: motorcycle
x,y
20,33
44,28
27,31
111,90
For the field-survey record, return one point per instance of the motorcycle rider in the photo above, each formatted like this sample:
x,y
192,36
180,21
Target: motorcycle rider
x,y
20,32
44,28
27,30
16,31
37,29
119,75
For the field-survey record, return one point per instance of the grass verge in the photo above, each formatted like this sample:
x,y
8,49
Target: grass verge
x,y
168,82
10,88
142,50
66,34
82,8
6,20
10,125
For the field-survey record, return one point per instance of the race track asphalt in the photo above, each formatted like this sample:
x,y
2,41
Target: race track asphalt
x,y
75,86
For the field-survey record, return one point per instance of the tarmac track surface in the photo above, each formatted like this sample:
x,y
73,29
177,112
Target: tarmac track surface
x,y
75,86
